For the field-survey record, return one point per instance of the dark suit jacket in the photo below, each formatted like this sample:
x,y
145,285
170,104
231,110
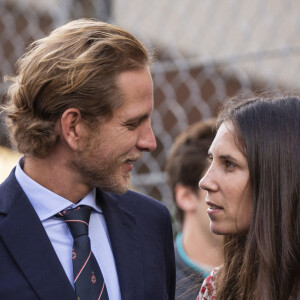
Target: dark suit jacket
x,y
140,233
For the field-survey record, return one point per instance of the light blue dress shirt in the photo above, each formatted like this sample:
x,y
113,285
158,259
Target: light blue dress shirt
x,y
47,204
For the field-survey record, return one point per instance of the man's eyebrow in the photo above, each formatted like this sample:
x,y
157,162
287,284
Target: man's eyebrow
x,y
138,119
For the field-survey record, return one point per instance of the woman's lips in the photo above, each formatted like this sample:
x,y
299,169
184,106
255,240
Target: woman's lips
x,y
213,208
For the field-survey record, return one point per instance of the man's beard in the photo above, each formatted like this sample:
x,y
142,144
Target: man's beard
x,y
102,172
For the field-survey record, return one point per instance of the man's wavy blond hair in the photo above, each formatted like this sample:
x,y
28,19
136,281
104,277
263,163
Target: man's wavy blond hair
x,y
75,66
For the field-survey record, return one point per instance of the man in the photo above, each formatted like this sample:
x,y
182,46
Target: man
x,y
196,248
79,109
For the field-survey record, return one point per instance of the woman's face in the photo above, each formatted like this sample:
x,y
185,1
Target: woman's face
x,y
229,195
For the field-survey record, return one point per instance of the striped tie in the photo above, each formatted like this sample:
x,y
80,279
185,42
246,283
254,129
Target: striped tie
x,y
88,279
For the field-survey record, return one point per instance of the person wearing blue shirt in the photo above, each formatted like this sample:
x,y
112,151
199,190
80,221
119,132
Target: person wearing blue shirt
x,y
79,109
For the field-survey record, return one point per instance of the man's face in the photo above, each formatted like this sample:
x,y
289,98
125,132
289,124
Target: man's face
x,y
106,159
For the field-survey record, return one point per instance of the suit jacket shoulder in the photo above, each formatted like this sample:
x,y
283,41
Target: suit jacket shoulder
x,y
29,267
141,206
141,235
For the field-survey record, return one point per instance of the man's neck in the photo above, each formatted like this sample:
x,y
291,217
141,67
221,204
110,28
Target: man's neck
x,y
54,174
201,246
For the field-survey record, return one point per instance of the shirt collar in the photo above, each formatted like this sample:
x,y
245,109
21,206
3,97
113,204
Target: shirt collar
x,y
47,203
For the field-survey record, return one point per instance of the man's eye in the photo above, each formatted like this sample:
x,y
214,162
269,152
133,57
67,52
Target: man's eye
x,y
132,125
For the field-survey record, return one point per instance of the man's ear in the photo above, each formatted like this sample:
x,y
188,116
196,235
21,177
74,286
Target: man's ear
x,y
72,127
185,198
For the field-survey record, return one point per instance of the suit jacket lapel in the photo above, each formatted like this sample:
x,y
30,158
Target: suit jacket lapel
x,y
125,246
27,241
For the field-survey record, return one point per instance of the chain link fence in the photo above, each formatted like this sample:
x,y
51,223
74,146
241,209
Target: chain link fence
x,y
206,51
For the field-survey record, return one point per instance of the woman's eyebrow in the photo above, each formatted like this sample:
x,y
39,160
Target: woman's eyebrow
x,y
225,157
230,158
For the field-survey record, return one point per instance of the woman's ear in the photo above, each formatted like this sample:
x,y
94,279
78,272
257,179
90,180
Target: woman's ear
x,y
185,198
72,127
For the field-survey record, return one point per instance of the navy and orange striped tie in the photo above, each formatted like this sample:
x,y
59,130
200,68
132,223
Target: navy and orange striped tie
x,y
88,279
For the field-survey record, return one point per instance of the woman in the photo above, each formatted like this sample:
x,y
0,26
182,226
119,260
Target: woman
x,y
253,186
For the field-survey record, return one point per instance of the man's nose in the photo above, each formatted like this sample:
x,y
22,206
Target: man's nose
x,y
146,141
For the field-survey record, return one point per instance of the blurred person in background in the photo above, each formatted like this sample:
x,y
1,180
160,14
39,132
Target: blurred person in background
x,y
197,249
8,159
253,195
79,109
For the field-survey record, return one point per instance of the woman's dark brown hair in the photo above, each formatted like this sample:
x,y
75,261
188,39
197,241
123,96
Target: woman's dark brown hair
x,y
264,264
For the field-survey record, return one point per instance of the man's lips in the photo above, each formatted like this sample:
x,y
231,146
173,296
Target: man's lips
x,y
130,160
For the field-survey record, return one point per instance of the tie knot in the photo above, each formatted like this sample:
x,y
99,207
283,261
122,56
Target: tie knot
x,y
77,219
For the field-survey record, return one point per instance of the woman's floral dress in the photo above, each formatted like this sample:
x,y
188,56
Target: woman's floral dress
x,y
208,288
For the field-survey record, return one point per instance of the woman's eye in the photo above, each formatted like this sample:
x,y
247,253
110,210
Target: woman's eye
x,y
229,164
